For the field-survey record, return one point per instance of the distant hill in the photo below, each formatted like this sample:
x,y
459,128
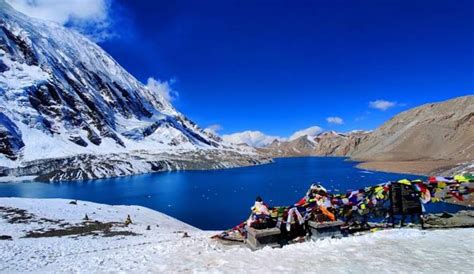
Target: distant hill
x,y
328,143
439,134
430,138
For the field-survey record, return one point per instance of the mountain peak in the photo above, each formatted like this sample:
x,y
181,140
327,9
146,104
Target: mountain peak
x,y
62,95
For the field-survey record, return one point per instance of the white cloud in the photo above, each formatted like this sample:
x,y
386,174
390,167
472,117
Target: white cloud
x,y
213,128
382,104
311,132
335,120
251,138
162,88
90,17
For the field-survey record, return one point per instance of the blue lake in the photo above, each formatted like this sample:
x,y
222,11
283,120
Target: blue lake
x,y
217,199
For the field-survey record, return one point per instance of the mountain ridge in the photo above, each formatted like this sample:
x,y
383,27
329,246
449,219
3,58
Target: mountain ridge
x,y
435,138
431,138
328,143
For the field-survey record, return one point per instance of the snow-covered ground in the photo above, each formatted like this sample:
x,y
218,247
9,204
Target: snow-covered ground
x,y
164,248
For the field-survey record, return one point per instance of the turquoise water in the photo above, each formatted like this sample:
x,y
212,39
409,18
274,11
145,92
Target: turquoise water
x,y
216,199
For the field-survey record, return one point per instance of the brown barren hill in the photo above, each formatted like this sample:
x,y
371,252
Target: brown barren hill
x,y
431,138
328,143
435,138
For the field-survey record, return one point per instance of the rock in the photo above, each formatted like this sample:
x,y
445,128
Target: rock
x,y
446,215
78,140
463,218
3,67
5,237
10,138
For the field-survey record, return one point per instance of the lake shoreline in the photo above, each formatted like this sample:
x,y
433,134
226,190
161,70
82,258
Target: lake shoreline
x,y
415,167
412,167
401,167
283,182
86,167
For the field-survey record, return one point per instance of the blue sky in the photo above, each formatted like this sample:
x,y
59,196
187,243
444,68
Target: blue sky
x,y
281,66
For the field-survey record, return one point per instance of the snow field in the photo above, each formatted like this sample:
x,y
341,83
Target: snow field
x,y
164,249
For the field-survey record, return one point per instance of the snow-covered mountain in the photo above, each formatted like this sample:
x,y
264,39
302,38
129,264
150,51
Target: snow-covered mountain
x,y
62,96
328,143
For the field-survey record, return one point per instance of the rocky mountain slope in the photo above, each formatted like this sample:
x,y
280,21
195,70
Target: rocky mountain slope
x,y
433,138
433,131
439,134
325,144
64,99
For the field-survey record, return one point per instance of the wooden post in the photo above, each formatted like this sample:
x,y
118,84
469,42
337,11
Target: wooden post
x,y
392,218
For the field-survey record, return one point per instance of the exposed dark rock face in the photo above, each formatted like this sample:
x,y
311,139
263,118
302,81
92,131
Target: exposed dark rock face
x,y
3,67
22,46
78,140
10,138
